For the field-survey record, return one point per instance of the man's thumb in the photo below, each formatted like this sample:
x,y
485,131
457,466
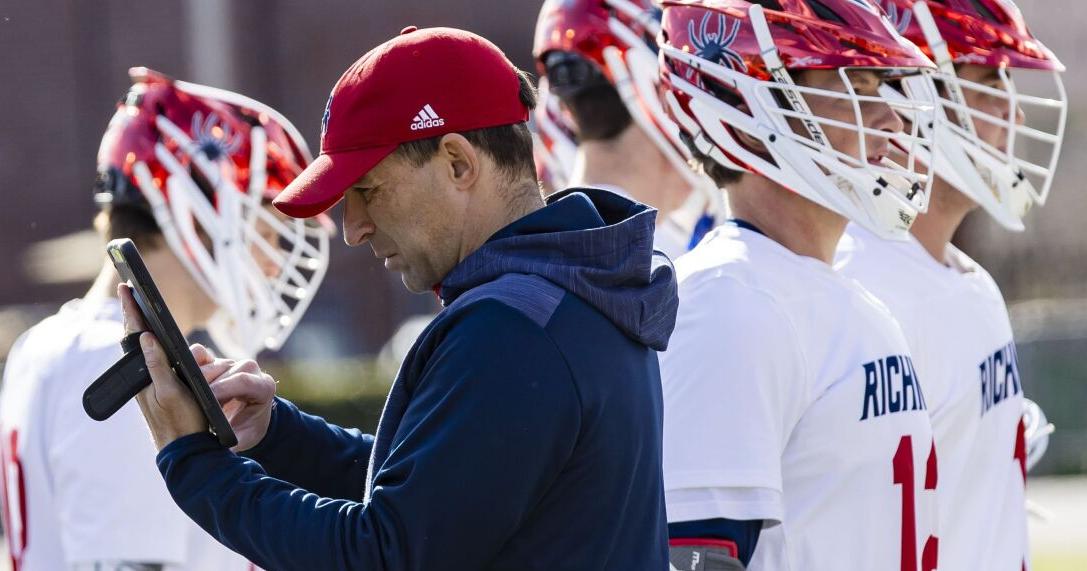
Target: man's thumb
x,y
153,356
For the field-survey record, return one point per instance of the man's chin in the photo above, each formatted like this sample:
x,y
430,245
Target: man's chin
x,y
414,285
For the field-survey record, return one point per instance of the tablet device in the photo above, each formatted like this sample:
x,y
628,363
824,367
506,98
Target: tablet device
x,y
129,375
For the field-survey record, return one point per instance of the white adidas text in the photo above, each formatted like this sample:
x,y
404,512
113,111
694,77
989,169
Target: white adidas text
x,y
426,118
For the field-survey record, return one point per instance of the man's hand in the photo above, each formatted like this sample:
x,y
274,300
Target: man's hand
x,y
245,393
167,405
242,389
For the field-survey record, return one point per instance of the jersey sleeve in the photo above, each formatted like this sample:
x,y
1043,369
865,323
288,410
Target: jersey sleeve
x,y
734,382
111,502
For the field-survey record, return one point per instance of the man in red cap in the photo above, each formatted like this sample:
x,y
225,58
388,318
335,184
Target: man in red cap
x,y
524,428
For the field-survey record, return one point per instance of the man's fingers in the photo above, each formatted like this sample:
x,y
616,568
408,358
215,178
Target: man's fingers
x,y
132,317
152,354
248,387
158,366
246,366
216,369
202,354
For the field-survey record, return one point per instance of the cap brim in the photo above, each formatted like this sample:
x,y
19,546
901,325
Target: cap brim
x,y
326,179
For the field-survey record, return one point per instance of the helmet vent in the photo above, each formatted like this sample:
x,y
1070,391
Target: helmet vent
x,y
985,11
769,4
824,12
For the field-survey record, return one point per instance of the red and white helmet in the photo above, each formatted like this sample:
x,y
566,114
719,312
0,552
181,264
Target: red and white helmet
x,y
727,63
205,162
619,38
1004,179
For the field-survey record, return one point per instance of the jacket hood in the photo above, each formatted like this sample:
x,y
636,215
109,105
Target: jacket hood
x,y
594,244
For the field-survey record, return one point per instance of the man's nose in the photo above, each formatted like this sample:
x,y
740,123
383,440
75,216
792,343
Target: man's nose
x,y
884,118
358,227
270,268
1020,117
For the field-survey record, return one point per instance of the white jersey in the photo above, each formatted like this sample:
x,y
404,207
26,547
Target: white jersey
x,y
790,397
957,326
673,234
77,491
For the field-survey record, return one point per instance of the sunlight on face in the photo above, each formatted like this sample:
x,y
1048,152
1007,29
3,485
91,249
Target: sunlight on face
x,y
875,115
994,134
268,233
410,217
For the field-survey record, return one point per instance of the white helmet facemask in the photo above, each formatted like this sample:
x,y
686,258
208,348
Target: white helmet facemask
x,y
260,269
1029,111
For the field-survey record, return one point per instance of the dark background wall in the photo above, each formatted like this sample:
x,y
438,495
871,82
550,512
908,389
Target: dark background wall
x,y
64,66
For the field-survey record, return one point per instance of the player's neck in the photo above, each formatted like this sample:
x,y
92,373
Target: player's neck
x,y
935,228
176,289
105,285
188,303
633,163
798,224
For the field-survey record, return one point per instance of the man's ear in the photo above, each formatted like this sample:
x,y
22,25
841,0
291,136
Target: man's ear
x,y
746,139
752,143
463,162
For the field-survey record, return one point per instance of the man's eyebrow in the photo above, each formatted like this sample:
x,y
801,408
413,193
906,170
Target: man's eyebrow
x,y
858,79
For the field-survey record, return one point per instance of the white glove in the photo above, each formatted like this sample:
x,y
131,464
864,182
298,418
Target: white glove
x,y
1037,431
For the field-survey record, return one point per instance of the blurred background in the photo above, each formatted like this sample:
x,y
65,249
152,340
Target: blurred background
x,y
64,65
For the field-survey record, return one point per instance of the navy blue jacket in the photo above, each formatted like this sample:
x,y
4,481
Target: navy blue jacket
x,y
523,431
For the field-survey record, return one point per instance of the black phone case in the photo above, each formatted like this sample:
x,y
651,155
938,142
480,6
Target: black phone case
x,y
116,386
129,375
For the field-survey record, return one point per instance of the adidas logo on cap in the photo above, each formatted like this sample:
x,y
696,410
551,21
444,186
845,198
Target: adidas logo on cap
x,y
426,118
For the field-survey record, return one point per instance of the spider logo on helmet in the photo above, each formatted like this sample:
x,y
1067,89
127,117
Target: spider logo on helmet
x,y
213,136
717,46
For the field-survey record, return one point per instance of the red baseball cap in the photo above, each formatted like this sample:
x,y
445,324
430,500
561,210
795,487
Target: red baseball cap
x,y
418,85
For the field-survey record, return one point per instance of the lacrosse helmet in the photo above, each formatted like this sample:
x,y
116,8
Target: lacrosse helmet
x,y
615,41
205,162
729,67
1002,151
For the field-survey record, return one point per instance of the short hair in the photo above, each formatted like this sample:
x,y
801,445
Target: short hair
x,y
721,175
132,221
510,146
595,105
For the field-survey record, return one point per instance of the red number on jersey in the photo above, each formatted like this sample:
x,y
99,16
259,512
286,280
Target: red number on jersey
x,y
13,493
903,474
1020,456
1020,453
